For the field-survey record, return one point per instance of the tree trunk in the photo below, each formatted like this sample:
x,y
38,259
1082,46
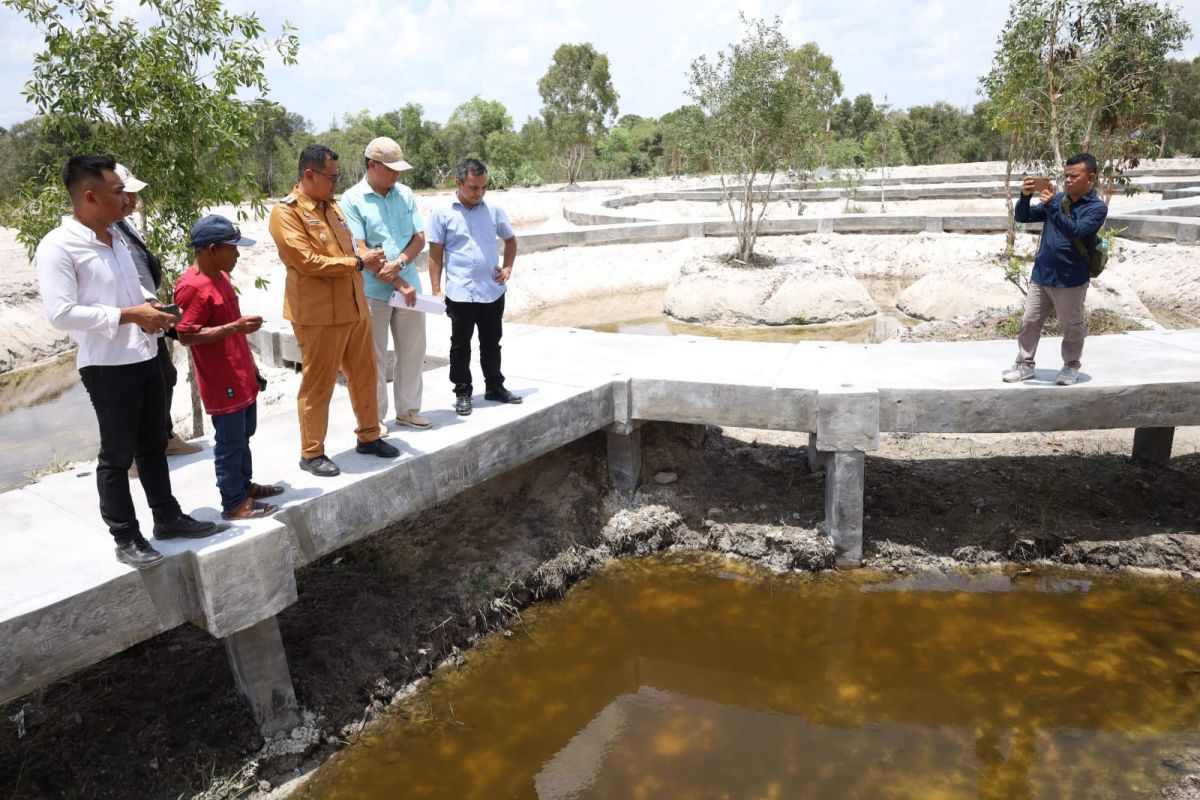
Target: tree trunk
x,y
1162,144
1052,87
197,406
1010,231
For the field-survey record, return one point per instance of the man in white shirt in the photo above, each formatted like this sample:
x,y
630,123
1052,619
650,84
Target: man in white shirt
x,y
90,288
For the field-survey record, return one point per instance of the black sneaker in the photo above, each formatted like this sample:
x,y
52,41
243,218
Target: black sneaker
x,y
184,527
322,466
462,405
377,448
501,395
138,553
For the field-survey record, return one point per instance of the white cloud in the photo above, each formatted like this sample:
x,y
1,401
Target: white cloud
x,y
439,53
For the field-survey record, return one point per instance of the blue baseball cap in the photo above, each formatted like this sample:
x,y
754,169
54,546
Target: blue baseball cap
x,y
215,229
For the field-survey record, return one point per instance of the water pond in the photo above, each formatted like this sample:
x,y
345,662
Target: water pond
x,y
690,676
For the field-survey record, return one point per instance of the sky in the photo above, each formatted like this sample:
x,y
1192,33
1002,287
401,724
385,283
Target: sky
x,y
378,55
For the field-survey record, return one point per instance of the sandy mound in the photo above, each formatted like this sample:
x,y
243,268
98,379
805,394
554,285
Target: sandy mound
x,y
798,293
964,290
959,289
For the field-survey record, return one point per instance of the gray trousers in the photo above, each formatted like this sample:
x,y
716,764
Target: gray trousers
x,y
1068,304
408,336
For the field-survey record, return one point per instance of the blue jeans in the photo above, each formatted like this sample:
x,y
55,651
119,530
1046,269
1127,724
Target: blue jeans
x,y
231,454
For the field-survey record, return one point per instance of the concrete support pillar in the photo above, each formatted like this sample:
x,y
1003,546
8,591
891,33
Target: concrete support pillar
x,y
260,670
813,456
625,458
1153,445
844,478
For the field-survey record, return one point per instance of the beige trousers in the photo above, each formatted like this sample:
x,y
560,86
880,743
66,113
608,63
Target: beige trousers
x,y
1067,303
323,350
408,336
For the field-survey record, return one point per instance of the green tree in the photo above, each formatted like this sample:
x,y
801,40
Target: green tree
x,y
578,102
173,99
470,124
1081,75
1179,128
808,67
1121,78
756,111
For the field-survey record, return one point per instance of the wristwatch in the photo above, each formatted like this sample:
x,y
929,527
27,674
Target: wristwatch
x,y
359,262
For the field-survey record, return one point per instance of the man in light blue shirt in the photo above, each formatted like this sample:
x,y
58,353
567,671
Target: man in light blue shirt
x,y
383,213
462,245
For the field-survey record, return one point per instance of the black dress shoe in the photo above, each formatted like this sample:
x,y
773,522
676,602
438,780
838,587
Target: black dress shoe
x,y
462,405
322,466
501,395
376,448
138,553
184,527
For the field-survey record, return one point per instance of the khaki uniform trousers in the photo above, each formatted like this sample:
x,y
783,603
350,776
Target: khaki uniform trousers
x,y
408,336
1068,305
323,350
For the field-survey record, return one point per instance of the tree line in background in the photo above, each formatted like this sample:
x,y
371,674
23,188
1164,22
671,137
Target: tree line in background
x,y
183,134
632,146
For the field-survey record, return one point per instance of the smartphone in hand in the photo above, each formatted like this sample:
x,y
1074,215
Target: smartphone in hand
x,y
1041,183
173,310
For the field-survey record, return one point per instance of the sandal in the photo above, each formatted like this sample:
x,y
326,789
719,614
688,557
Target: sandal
x,y
257,491
250,509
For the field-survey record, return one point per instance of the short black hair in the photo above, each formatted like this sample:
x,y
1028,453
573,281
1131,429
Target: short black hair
x,y
469,166
79,170
1087,159
313,156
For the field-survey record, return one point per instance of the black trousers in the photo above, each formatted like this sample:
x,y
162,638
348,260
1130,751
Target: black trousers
x,y
464,318
170,378
129,409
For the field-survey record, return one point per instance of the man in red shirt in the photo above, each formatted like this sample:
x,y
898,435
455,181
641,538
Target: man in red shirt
x,y
213,326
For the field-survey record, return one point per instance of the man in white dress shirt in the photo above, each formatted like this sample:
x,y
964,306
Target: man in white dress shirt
x,y
90,288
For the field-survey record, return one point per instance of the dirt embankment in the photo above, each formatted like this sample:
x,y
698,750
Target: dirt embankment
x,y
164,716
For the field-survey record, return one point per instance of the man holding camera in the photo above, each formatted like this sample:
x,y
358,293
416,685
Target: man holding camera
x,y
1060,277
90,287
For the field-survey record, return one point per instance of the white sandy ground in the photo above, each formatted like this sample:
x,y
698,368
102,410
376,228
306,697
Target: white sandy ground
x,y
955,268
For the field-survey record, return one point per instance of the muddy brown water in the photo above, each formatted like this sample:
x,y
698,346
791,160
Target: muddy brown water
x,y
690,676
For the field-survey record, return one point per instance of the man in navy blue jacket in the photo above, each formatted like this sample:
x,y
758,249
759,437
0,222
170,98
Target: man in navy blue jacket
x,y
1060,271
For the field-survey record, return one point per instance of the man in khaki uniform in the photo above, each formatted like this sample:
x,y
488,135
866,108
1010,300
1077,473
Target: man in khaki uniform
x,y
324,301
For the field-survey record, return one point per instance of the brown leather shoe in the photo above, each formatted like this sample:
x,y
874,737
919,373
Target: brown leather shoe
x,y
258,491
250,509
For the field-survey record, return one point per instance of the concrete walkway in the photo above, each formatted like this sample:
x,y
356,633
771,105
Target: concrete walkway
x,y
65,602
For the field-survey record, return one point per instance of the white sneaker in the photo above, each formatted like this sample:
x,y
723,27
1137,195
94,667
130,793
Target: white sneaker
x,y
1020,371
1067,375
414,420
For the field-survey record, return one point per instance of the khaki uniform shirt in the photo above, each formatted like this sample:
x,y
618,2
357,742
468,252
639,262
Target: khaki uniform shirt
x,y
324,285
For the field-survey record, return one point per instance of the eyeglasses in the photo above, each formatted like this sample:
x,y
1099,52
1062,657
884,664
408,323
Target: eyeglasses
x,y
334,179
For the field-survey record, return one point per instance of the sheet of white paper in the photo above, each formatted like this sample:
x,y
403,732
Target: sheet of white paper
x,y
426,303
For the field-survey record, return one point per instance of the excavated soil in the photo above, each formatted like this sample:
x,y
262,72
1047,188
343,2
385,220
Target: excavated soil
x,y
377,616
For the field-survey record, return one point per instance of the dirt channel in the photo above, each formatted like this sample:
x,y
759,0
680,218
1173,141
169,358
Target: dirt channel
x,y
164,716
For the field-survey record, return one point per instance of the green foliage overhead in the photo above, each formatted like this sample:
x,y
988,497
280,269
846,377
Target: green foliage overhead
x,y
175,100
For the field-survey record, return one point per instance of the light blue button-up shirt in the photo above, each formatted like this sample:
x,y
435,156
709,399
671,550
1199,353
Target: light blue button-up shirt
x,y
387,221
471,251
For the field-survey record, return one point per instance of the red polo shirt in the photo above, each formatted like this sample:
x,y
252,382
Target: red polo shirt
x,y
224,368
